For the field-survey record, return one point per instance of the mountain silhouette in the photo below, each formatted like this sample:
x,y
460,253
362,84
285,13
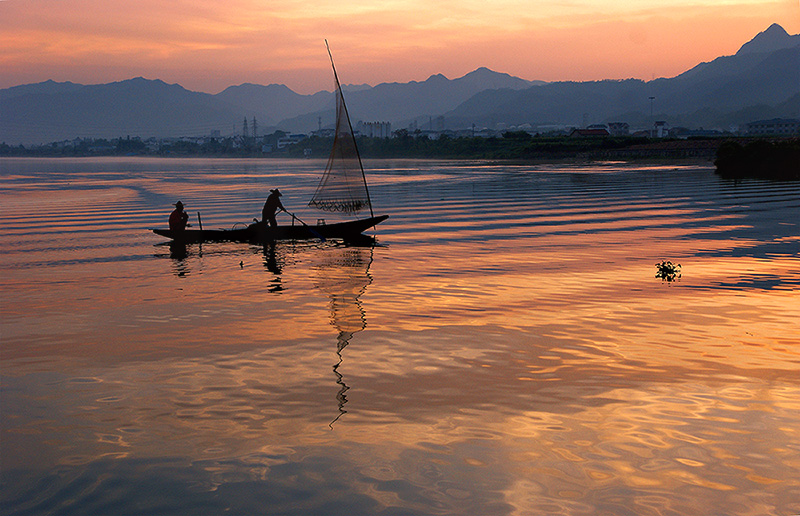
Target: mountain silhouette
x,y
135,107
762,76
762,80
772,39
274,102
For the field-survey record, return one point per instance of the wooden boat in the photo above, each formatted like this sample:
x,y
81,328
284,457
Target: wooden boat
x,y
261,232
342,188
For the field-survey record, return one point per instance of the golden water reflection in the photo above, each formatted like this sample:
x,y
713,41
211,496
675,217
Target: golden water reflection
x,y
521,361
560,426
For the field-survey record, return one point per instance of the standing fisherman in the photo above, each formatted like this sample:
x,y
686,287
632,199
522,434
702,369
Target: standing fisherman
x,y
272,205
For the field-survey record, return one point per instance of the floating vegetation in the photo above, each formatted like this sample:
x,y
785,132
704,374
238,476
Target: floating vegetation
x,y
668,271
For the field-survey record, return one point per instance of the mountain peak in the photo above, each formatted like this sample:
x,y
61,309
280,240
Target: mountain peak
x,y
489,79
772,39
254,89
482,71
437,77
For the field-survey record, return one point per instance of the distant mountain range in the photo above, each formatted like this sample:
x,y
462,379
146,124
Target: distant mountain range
x,y
762,80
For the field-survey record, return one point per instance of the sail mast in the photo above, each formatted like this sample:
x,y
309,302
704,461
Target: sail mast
x,y
350,126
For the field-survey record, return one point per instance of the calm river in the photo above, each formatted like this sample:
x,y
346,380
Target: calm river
x,y
504,349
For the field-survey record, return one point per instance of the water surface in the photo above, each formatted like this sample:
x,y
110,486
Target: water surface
x,y
504,349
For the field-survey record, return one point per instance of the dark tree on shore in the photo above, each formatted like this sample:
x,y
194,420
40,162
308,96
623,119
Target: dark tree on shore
x,y
779,160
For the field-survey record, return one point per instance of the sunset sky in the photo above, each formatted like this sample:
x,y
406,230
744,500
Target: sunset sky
x,y
207,45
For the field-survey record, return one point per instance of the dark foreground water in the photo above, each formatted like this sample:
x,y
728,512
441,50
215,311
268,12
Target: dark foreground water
x,y
504,349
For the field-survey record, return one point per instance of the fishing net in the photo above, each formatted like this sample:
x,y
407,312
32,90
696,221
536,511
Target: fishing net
x,y
343,186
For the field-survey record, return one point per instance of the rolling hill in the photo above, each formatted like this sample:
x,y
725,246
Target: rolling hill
x,y
762,80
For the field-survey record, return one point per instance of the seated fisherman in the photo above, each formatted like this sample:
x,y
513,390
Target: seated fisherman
x,y
178,219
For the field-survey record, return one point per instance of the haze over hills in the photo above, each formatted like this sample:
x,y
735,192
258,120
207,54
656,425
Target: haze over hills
x,y
762,80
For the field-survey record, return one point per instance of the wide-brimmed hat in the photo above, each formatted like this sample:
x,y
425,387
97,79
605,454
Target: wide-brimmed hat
x,y
178,204
276,192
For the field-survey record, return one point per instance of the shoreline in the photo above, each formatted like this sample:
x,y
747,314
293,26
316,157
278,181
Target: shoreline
x,y
733,157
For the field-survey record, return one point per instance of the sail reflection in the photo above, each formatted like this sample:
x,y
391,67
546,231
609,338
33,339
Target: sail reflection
x,y
343,274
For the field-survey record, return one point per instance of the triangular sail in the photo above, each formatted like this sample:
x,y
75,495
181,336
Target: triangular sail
x,y
343,186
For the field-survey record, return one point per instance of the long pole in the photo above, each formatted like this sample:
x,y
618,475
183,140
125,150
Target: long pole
x,y
309,228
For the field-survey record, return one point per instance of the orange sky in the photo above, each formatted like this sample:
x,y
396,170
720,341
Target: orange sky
x,y
207,45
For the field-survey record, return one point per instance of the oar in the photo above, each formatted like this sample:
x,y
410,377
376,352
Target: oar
x,y
306,225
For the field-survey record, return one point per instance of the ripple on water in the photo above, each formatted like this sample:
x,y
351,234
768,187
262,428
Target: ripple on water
x,y
505,349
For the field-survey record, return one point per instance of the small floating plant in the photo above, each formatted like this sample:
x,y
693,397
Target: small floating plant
x,y
668,271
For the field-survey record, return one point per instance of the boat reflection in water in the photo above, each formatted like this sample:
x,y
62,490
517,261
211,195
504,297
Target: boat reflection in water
x,y
178,251
338,269
343,274
179,254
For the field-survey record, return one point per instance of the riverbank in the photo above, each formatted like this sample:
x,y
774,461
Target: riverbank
x,y
512,145
773,158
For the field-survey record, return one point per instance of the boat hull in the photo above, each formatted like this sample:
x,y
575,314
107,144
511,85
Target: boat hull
x,y
261,232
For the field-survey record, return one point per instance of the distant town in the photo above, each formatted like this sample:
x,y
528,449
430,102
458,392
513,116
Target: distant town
x,y
379,140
